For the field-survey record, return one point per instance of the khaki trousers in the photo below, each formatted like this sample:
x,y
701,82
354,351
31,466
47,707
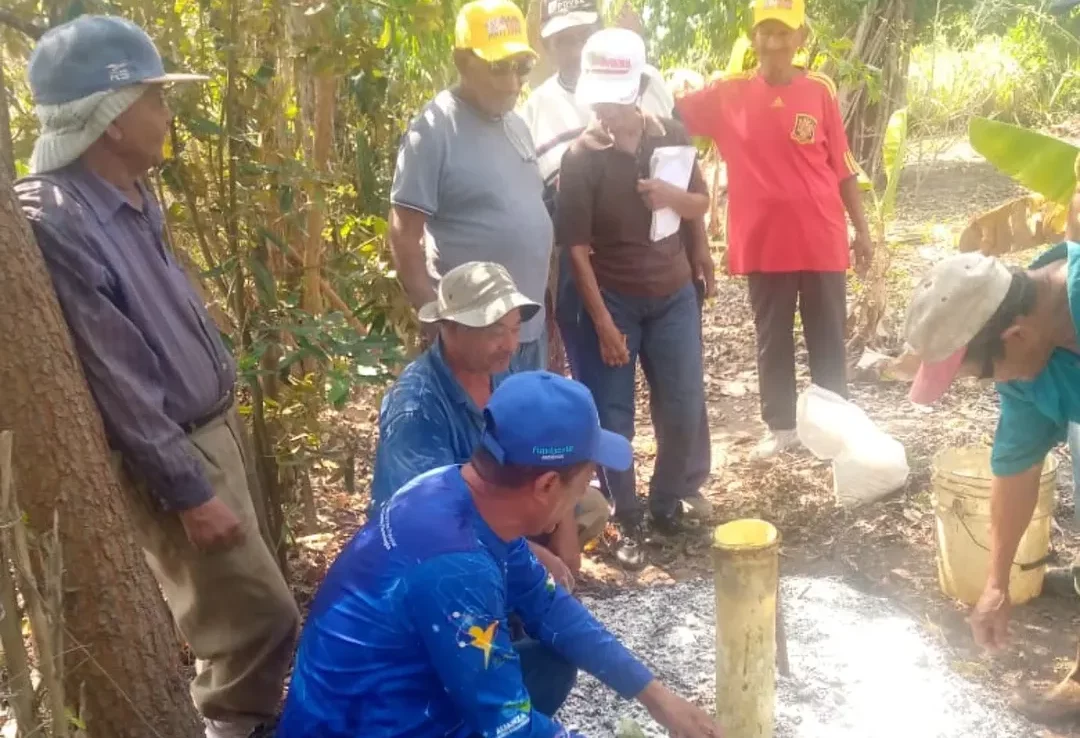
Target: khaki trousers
x,y
234,607
592,515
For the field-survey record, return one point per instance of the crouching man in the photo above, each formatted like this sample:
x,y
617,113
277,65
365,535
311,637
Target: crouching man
x,y
433,415
975,316
408,634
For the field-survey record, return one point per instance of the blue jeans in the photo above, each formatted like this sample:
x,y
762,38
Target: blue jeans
x,y
548,677
666,333
531,355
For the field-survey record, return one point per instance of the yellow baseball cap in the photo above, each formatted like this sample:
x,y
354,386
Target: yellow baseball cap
x,y
792,13
492,29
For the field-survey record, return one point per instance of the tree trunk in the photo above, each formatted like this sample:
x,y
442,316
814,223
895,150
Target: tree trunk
x,y
325,98
122,648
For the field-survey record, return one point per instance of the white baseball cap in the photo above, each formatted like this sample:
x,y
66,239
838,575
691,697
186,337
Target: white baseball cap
x,y
557,16
476,294
948,308
612,63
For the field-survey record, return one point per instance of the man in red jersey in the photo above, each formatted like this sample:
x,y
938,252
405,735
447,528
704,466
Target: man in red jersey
x,y
790,177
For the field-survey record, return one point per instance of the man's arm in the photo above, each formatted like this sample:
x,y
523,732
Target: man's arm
x,y
1023,438
410,444
846,169
414,197
573,231
123,373
1012,503
862,245
407,249
562,623
456,604
551,615
699,110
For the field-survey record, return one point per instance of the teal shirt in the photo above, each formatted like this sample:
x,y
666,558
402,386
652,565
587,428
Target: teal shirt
x,y
1035,415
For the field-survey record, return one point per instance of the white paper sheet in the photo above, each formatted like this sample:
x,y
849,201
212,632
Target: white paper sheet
x,y
673,164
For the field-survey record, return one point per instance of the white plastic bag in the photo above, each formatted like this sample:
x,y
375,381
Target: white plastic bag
x,y
867,462
825,422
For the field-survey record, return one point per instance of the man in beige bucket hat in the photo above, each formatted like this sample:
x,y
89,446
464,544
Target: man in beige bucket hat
x,y
433,416
974,316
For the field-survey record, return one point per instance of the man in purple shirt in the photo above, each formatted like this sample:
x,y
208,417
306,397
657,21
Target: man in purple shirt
x,y
158,370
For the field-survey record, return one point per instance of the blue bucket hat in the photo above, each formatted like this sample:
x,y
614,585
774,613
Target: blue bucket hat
x,y
93,54
542,419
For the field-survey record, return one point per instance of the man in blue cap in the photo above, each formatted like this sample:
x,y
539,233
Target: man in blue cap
x,y
408,634
158,370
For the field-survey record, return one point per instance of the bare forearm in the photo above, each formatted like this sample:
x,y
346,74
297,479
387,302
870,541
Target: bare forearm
x,y
690,205
853,202
587,286
1012,503
407,249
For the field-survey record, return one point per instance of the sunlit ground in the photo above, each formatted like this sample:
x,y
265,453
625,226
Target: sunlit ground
x,y
859,667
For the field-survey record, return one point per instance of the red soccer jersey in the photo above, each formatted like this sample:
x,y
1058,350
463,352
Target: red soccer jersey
x,y
786,153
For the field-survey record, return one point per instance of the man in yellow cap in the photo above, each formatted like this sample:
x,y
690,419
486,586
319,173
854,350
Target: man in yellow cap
x,y
790,178
467,186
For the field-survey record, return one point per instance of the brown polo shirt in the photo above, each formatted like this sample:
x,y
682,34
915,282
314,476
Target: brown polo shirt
x,y
599,205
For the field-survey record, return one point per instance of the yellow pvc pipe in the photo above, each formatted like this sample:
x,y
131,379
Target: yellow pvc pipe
x,y
745,553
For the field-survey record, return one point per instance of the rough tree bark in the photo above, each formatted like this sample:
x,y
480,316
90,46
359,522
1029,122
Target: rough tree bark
x,y
121,644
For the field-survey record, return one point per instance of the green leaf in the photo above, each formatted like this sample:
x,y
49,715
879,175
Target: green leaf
x,y
264,281
737,60
387,34
1041,163
628,728
893,153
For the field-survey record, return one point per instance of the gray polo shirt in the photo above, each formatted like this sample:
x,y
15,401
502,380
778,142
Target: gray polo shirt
x,y
477,180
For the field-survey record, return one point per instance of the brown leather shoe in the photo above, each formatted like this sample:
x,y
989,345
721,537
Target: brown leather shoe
x,y
1061,704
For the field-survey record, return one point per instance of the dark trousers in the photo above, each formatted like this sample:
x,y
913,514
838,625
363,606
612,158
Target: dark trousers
x,y
821,298
548,677
666,333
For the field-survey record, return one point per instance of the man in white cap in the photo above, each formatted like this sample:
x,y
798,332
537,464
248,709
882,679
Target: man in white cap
x,y
638,293
974,316
159,372
433,415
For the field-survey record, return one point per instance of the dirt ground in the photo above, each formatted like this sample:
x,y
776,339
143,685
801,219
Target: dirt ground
x,y
886,549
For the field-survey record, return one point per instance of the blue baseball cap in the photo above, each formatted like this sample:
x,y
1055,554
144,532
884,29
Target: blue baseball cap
x,y
95,53
542,419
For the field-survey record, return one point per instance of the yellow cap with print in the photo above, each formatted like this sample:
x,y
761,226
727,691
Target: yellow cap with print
x,y
492,29
792,13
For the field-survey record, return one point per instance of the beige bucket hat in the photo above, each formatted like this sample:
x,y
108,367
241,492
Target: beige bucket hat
x,y
477,294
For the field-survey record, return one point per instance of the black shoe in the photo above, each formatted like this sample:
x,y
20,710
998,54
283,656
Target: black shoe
x,y
670,524
630,550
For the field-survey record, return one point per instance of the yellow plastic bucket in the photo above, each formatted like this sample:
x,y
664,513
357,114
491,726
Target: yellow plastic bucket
x,y
961,487
746,555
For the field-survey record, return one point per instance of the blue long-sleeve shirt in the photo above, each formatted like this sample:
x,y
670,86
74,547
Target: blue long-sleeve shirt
x,y
427,420
408,634
151,354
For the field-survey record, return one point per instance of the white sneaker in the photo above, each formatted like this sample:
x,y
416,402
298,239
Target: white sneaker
x,y
230,728
775,442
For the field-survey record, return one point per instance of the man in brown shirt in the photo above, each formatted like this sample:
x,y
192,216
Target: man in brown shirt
x,y
639,294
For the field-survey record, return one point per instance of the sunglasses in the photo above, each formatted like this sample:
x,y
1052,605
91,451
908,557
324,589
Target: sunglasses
x,y
521,66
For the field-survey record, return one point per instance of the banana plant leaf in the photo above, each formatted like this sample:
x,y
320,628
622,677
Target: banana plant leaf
x,y
893,154
1041,163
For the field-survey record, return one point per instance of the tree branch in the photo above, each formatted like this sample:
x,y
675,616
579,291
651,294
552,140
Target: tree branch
x,y
9,19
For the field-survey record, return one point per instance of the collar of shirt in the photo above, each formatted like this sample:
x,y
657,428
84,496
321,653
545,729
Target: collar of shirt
x,y
105,199
596,136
